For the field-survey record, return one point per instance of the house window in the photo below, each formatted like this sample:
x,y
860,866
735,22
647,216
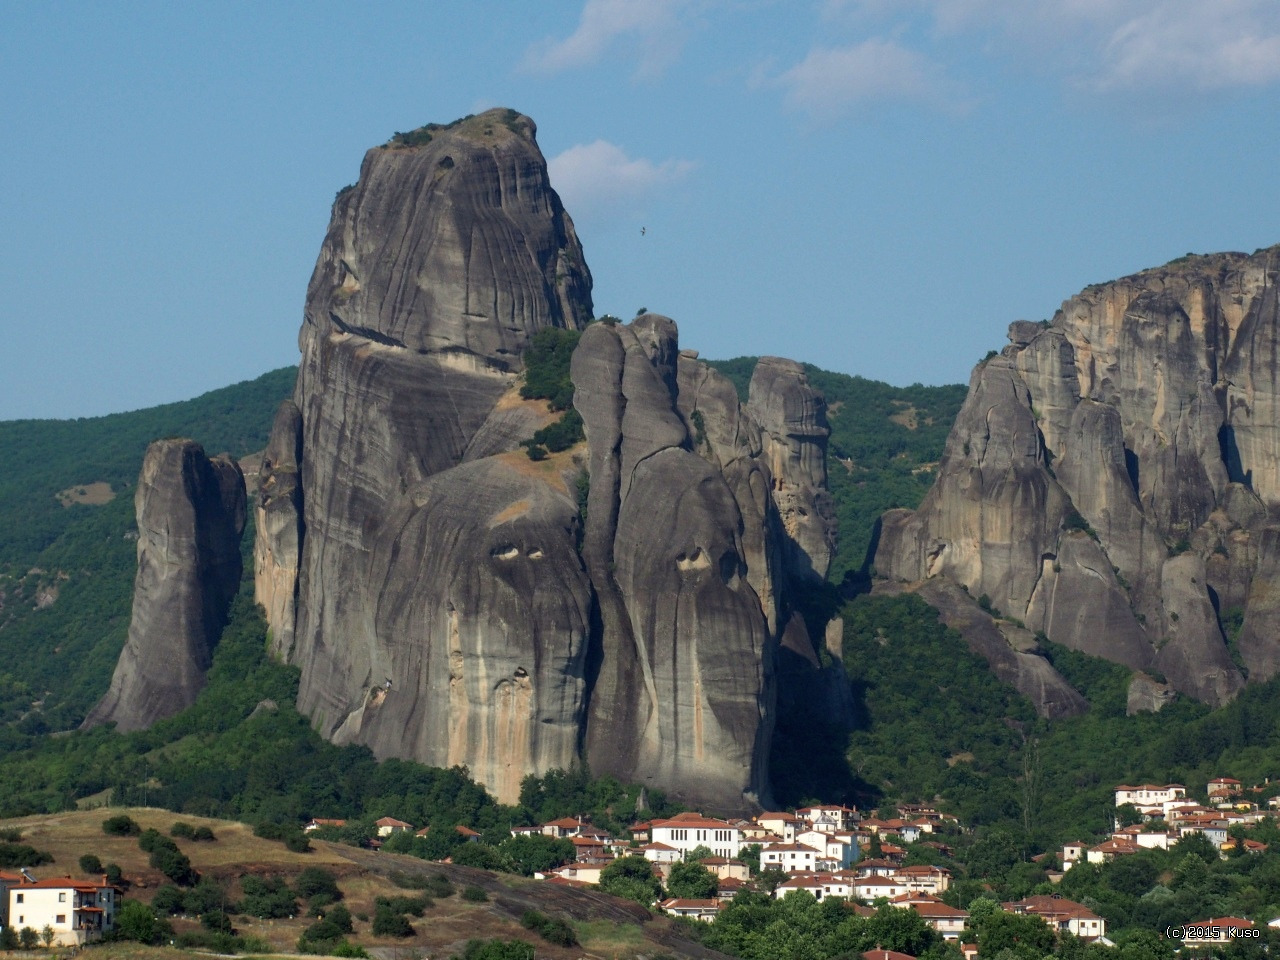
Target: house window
x,y
62,898
20,896
61,918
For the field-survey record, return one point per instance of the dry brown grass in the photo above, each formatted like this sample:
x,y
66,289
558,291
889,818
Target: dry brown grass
x,y
608,928
91,494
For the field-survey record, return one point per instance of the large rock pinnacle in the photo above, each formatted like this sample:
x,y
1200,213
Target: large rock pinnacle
x,y
191,514
1113,478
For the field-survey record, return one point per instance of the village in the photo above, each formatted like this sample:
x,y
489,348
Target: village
x,y
833,851
824,851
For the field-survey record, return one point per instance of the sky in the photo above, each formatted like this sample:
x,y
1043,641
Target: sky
x,y
877,187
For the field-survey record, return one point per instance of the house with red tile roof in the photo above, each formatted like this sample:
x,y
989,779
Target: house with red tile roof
x,y
389,825
788,857
564,827
947,920
688,831
808,882
705,910
78,911
1063,915
923,878
1216,931
1220,788
317,822
879,954
1108,850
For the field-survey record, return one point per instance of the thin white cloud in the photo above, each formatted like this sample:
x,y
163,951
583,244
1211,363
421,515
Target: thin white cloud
x,y
1203,46
651,31
1161,46
832,80
599,178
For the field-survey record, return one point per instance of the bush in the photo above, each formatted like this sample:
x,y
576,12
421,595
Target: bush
x,y
474,894
183,830
21,855
137,921
89,863
115,876
557,436
290,835
498,950
203,835
546,367
340,917
314,882
169,899
217,921
387,923
167,858
120,826
414,905
267,898
551,929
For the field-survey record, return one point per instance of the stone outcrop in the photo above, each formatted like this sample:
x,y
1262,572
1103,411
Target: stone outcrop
x,y
191,515
450,600
1114,475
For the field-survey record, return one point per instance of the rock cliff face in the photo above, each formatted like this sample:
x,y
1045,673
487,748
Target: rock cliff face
x,y
1113,479
450,600
191,515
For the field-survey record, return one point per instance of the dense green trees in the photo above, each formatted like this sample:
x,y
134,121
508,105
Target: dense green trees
x,y
632,878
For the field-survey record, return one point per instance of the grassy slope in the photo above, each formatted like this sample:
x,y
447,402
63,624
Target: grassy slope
x,y
609,927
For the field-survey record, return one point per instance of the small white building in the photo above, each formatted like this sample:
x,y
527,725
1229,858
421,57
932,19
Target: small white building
x,y
705,910
1149,798
78,911
875,887
831,849
788,857
389,825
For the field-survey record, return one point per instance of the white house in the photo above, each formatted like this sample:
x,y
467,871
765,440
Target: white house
x,y
1063,915
948,921
783,825
687,831
788,857
828,817
78,911
923,878
875,887
661,853
832,850
1149,798
808,882
704,910
389,825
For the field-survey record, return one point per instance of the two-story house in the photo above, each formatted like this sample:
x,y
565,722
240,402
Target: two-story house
x,y
78,911
688,831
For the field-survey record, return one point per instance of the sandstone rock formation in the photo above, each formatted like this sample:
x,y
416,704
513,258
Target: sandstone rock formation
x,y
191,514
1114,476
450,600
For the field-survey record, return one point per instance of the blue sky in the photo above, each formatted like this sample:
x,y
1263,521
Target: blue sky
x,y
874,186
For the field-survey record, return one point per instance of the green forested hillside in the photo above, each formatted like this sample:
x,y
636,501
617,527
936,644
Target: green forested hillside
x,y
60,654
885,443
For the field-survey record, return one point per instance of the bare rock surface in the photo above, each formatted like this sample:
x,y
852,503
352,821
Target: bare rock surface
x,y
191,515
452,601
1145,416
